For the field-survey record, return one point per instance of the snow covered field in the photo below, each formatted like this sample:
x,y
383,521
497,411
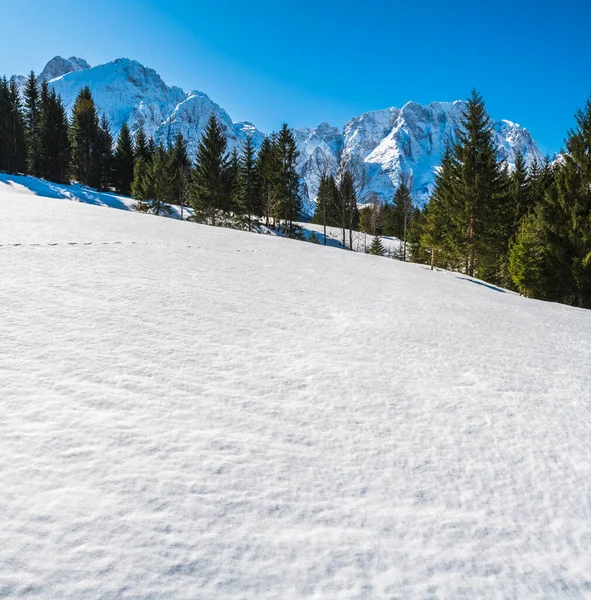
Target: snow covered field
x,y
194,412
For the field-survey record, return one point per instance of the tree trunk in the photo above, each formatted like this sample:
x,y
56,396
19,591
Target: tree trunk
x,y
432,258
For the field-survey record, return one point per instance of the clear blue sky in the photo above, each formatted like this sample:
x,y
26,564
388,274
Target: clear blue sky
x,y
310,61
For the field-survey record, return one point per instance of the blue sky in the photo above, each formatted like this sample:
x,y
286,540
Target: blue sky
x,y
311,61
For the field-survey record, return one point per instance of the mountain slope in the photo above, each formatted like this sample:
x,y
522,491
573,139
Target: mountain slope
x,y
394,143
186,415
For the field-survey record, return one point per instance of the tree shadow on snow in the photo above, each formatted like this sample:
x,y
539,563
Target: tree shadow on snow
x,y
41,187
482,283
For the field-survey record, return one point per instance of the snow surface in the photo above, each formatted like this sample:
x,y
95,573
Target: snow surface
x,y
196,412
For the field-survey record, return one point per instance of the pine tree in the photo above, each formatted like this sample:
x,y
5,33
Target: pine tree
x,y
153,183
210,182
314,238
85,140
32,124
123,162
376,248
289,202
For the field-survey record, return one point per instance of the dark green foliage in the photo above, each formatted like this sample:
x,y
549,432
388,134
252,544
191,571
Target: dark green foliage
x,y
180,165
267,170
54,140
289,203
250,200
87,163
565,219
123,162
103,155
210,189
141,145
376,248
526,259
153,183
314,238
32,116
469,218
13,157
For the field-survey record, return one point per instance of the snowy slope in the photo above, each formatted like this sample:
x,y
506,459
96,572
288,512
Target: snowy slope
x,y
394,143
27,185
193,412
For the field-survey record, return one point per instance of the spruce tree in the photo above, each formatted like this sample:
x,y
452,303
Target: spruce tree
x,y
210,181
526,257
267,169
250,199
519,188
565,217
141,144
84,136
54,140
401,212
180,165
103,154
13,155
289,202
123,162
32,124
376,248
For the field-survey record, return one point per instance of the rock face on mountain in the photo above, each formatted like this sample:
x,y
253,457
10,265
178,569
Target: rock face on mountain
x,y
400,144
59,66
393,144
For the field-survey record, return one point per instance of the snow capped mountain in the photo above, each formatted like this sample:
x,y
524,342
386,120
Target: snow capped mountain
x,y
394,144
59,66
400,144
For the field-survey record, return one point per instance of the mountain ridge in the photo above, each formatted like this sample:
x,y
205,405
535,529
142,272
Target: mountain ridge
x,y
394,144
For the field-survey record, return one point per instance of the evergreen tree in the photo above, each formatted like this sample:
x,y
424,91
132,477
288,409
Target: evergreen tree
x,y
519,188
470,218
250,199
326,212
401,214
153,183
141,145
289,202
103,154
376,248
32,124
54,140
234,186
565,218
210,181
526,258
123,162
180,165
13,156
314,238
85,139
267,169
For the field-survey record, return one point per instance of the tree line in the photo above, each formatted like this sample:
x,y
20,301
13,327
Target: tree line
x,y
238,187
